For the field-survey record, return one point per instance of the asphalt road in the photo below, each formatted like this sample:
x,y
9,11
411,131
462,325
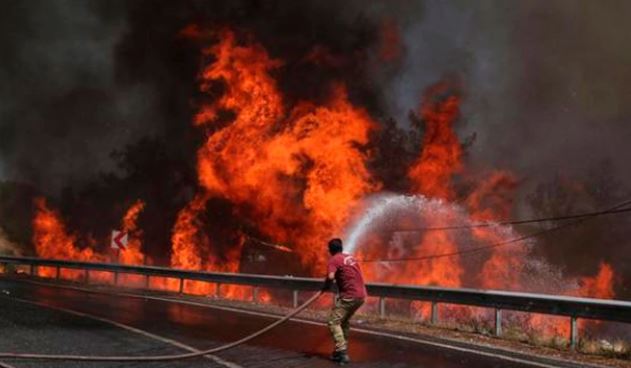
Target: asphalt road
x,y
26,327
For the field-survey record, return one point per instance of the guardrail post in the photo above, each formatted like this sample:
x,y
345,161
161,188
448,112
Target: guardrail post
x,y
181,290
32,269
87,276
294,298
57,273
434,317
147,282
382,307
573,333
115,278
255,294
498,322
218,290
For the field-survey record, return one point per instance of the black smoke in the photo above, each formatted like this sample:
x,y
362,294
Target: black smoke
x,y
98,97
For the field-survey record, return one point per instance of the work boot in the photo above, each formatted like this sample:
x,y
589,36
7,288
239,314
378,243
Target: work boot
x,y
340,357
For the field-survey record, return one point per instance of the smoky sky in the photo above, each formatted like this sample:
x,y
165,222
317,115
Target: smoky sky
x,y
549,88
546,82
60,112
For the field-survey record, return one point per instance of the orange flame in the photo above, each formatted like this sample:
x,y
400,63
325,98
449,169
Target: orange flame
x,y
187,237
441,155
133,253
298,171
431,176
299,174
192,250
51,240
600,286
492,200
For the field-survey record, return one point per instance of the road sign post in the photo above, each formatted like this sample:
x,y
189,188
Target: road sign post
x,y
119,242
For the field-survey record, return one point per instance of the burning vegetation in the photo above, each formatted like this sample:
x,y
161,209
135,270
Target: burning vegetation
x,y
299,171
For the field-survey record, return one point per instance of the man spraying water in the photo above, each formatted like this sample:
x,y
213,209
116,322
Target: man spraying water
x,y
344,270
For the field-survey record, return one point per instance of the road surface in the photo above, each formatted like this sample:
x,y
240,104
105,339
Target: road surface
x,y
135,326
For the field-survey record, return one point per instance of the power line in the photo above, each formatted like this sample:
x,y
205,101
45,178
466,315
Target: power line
x,y
500,244
515,222
580,218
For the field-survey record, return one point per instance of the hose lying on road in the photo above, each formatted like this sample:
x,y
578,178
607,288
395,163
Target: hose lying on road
x,y
156,358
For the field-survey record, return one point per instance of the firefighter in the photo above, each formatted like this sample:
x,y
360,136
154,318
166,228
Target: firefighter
x,y
344,270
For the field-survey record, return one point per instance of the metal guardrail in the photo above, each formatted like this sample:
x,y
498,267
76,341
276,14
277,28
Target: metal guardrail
x,y
573,307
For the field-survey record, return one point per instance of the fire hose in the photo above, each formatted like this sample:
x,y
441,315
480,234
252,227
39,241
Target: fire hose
x,y
156,358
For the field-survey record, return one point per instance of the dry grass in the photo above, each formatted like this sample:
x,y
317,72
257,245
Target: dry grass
x,y
618,349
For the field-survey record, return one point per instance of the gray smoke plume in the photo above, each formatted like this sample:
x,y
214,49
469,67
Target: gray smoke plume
x,y
547,81
61,111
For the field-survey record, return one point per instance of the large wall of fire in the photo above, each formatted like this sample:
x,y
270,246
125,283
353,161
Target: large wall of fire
x,y
298,172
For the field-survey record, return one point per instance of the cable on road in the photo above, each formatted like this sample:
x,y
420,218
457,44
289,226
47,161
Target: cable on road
x,y
162,358
500,244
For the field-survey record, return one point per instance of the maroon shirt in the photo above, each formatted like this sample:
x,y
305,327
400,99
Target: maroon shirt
x,y
348,276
